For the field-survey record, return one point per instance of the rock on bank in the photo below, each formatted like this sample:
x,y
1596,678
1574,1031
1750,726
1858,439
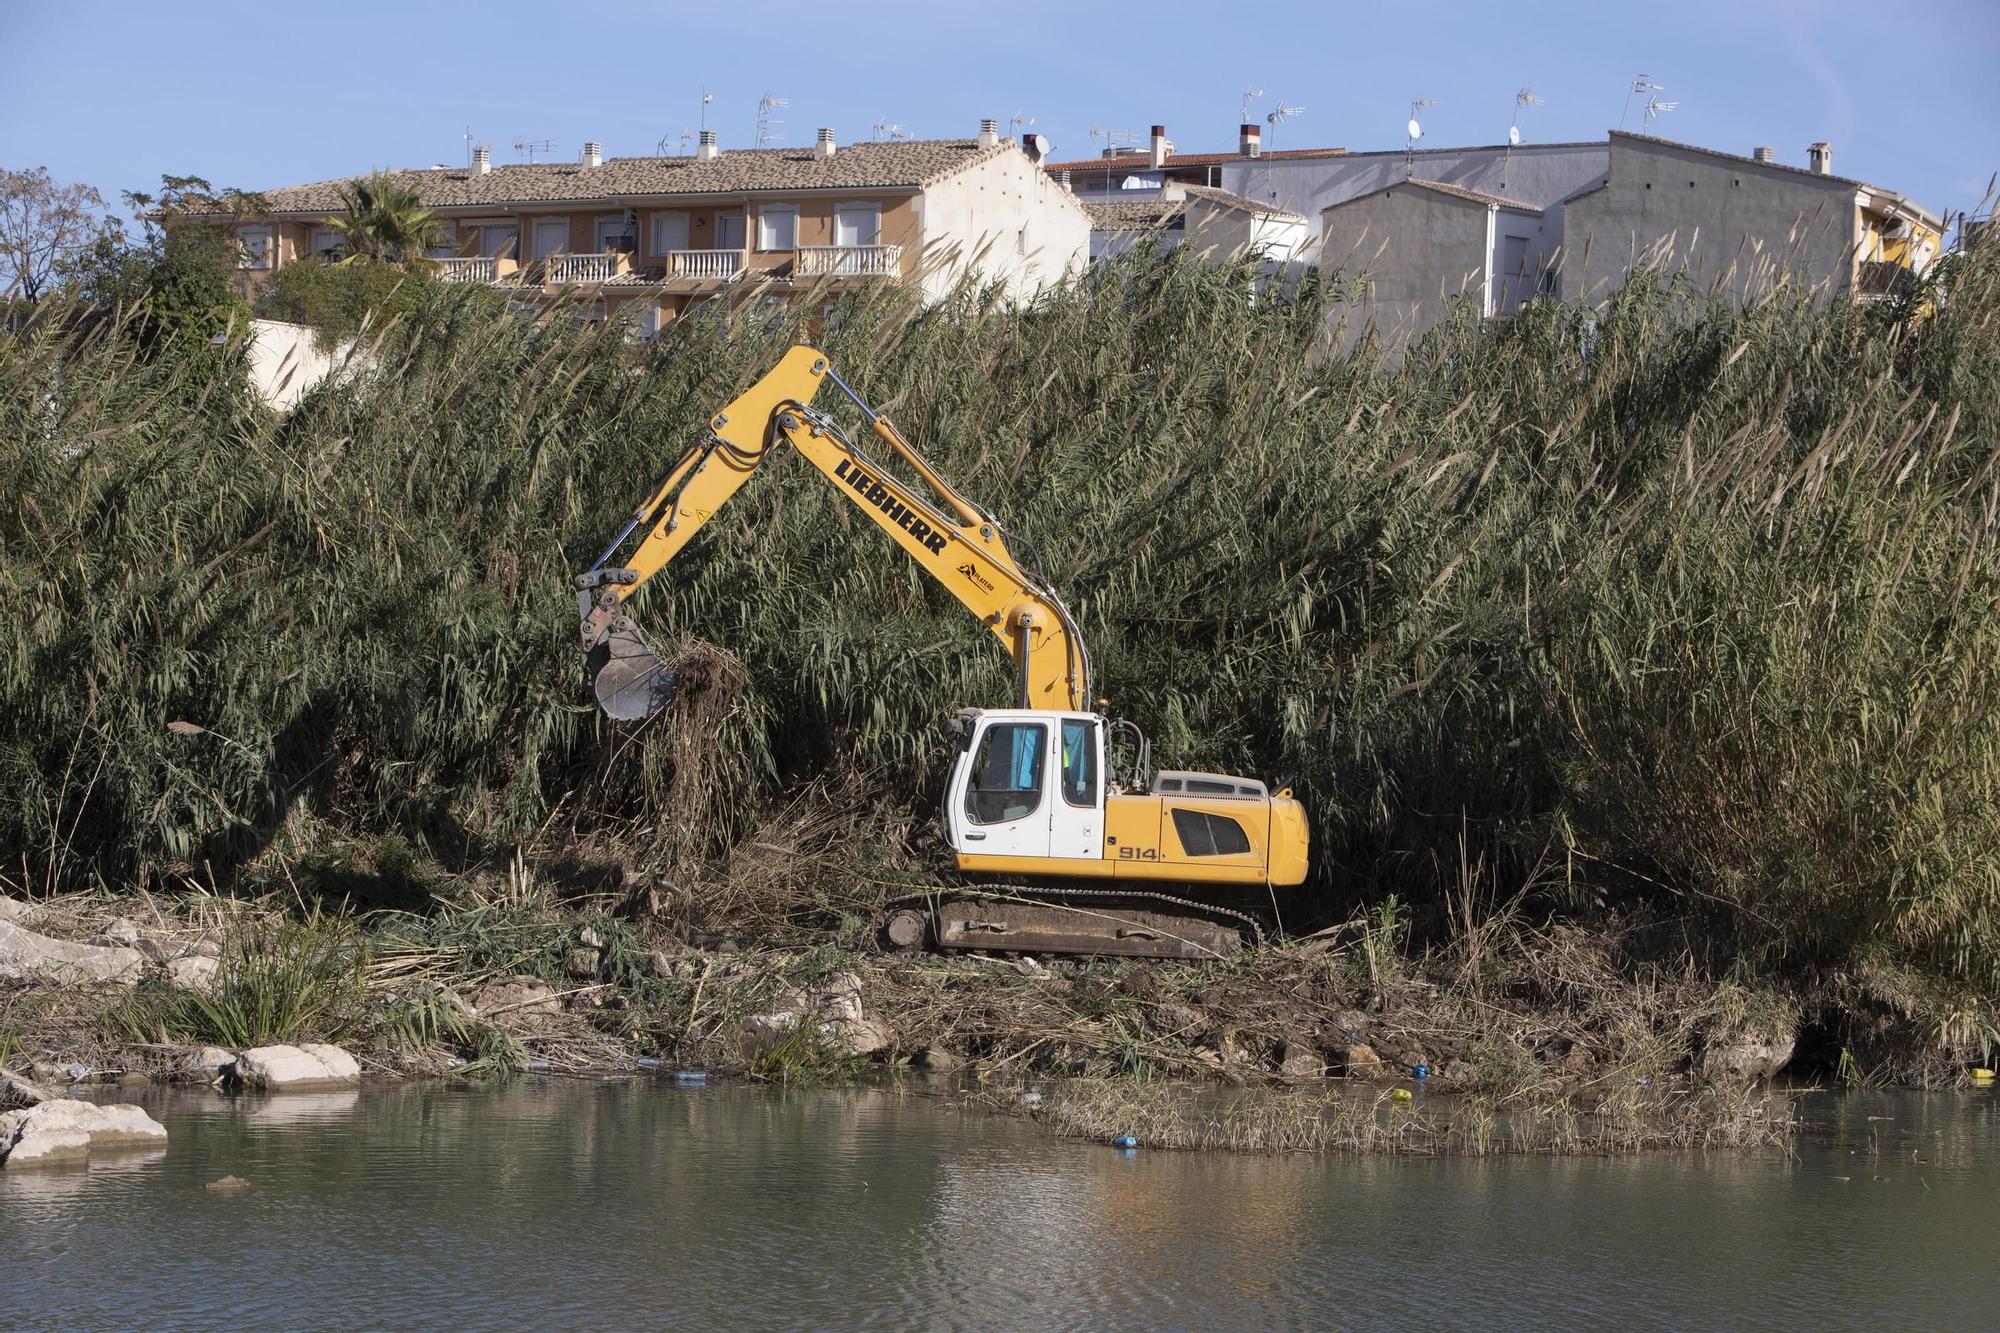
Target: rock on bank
x,y
62,1130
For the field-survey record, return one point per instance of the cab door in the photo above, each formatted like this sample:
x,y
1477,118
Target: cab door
x,y
1076,811
1005,810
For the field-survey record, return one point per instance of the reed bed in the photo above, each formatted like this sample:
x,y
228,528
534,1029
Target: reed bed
x,y
1662,608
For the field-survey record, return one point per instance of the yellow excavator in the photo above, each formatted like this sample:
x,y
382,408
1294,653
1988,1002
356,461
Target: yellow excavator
x,y
1134,862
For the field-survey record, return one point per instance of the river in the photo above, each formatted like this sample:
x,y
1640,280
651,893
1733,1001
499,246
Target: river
x,y
551,1203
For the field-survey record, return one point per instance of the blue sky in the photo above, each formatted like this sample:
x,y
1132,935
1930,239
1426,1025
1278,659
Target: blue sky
x,y
255,95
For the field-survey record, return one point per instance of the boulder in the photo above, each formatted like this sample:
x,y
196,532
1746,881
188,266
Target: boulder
x,y
119,932
939,1060
63,1130
1298,1059
834,1005
210,1061
1360,1061
227,1185
193,973
1747,1057
27,956
162,950
581,964
19,912
309,1064
517,998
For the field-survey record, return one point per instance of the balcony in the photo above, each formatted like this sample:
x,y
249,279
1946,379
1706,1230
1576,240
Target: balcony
x,y
579,270
721,265
475,269
1877,279
850,261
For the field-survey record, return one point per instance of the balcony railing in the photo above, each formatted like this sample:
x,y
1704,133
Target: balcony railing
x,y
569,270
722,264
473,269
850,261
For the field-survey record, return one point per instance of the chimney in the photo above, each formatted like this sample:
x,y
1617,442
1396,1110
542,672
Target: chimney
x,y
482,160
593,153
1820,158
707,148
1764,154
1160,146
1250,141
825,147
1063,182
989,133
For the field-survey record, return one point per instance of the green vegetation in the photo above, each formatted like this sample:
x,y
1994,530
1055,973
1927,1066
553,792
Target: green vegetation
x,y
339,300
1662,617
385,221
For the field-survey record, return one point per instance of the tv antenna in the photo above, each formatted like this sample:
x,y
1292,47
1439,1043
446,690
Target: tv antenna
x,y
678,142
470,144
1020,120
706,98
1655,107
1114,138
533,146
1415,128
1527,97
1642,84
890,130
1281,113
766,122
1249,95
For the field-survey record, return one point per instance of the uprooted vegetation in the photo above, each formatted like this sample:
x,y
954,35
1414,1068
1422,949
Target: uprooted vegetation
x,y
1662,626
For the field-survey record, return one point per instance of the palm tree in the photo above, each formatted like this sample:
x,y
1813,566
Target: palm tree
x,y
386,221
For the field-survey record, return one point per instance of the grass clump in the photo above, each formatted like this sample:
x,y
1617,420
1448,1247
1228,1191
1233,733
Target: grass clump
x,y
280,981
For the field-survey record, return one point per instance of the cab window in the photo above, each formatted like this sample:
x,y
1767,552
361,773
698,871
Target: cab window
x,y
1079,762
1006,781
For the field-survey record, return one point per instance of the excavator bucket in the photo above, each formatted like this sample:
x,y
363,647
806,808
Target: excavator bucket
x,y
629,679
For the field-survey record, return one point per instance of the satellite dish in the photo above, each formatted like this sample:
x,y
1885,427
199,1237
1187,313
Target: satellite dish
x,y
1513,134
1416,130
1039,144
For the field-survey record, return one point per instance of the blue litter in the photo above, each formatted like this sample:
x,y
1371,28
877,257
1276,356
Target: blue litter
x,y
650,1062
1420,1071
1125,1141
691,1078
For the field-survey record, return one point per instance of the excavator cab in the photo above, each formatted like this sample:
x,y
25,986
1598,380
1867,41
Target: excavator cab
x,y
1029,794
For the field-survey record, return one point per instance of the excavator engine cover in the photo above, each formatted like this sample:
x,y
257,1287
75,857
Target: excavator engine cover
x,y
629,679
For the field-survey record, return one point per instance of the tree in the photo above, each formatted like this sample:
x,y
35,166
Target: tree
x,y
177,279
386,221
41,224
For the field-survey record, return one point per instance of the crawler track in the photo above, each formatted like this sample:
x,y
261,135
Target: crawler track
x,y
1025,918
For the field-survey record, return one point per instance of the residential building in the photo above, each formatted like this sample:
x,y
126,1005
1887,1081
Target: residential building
x,y
1739,225
649,237
1215,222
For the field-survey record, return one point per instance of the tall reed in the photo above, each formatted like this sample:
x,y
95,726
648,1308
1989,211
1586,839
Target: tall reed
x,y
1659,602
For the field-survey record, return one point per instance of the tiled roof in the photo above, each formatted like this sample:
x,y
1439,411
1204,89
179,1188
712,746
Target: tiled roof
x,y
1140,162
1154,211
1476,196
908,163
1227,199
1130,214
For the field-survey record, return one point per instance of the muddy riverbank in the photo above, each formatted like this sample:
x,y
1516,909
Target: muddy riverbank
x,y
1545,1040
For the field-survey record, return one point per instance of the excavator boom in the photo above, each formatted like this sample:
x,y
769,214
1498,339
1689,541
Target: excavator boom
x,y
950,538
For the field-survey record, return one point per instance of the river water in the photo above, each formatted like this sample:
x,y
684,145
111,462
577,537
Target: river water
x,y
639,1204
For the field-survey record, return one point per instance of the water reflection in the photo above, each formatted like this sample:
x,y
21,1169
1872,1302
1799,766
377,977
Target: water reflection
x,y
638,1203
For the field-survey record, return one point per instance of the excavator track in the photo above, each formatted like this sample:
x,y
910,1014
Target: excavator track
x,y
1038,919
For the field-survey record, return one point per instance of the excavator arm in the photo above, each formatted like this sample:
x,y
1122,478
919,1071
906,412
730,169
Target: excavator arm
x,y
951,539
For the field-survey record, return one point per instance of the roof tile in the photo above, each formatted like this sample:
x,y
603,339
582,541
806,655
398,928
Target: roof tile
x,y
906,163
